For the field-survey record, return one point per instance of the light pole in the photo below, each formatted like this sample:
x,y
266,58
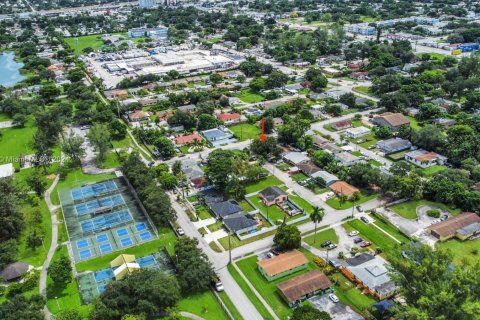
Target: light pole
x,y
229,247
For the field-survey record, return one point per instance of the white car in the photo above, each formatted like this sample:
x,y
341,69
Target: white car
x,y
219,286
353,233
333,297
180,232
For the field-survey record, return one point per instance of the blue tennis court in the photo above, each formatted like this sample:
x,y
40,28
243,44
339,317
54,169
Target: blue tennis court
x,y
106,221
105,248
144,236
102,237
122,232
90,191
140,226
85,254
126,242
146,261
104,274
82,243
91,206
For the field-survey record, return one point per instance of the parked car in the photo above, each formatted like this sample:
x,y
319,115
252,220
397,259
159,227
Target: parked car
x,y
365,219
444,217
219,286
365,244
357,240
270,254
326,243
359,208
331,246
275,251
84,127
333,297
353,233
180,232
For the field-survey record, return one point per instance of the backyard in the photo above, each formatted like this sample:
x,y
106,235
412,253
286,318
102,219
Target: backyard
x,y
364,197
274,213
462,250
245,131
248,96
408,209
322,236
262,184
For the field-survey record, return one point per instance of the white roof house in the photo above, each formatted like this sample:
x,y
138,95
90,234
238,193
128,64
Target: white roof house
x,y
326,176
6,170
357,132
347,159
295,157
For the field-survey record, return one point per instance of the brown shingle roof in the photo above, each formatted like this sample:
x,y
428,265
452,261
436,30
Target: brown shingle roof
x,y
427,157
308,167
394,119
283,262
341,187
300,286
448,227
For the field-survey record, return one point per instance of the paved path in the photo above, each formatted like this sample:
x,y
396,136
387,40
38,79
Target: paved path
x,y
190,315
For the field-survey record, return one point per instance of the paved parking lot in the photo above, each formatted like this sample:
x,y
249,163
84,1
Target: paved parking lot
x,y
338,311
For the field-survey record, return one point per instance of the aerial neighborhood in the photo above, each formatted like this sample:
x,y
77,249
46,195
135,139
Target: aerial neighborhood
x,y
229,160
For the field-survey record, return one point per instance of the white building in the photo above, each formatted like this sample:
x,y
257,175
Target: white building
x,y
147,4
357,132
425,159
6,170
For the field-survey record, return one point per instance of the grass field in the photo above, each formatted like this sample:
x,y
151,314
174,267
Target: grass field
x,y
111,161
413,122
432,170
203,212
215,226
203,305
230,306
322,236
391,229
299,177
262,184
248,96
93,41
245,131
408,209
349,294
367,141
246,206
363,90
462,250
15,142
364,197
167,239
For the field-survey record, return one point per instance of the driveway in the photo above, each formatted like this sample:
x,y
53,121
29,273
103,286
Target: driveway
x,y
338,311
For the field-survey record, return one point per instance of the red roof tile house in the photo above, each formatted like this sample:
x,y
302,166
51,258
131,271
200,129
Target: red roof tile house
x,y
188,139
229,118
138,115
341,125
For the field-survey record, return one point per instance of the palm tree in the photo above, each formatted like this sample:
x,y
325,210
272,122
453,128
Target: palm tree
x,y
317,216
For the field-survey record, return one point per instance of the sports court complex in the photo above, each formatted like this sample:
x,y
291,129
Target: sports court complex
x,y
104,217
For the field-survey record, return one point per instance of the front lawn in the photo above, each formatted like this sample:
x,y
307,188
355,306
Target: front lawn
x,y
248,96
349,294
274,213
364,197
430,171
363,90
462,250
408,209
322,236
374,163
367,141
245,131
215,226
203,305
262,184
203,212
301,202
297,177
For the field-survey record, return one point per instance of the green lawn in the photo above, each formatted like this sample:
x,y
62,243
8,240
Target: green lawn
x,y
111,161
184,149
248,96
203,305
408,209
251,296
367,141
76,178
93,41
68,297
374,163
322,236
363,90
462,250
215,226
246,206
432,170
273,212
15,142
262,184
299,177
167,239
203,212
245,131
62,230
301,202
230,306
433,55
349,294
235,242
364,197
413,122
284,166
391,229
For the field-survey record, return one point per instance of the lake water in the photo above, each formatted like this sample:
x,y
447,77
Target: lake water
x,y
9,70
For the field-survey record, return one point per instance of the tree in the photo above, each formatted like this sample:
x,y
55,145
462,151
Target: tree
x,y
177,167
429,138
165,147
257,84
20,307
276,79
99,136
43,150
186,119
195,272
37,182
19,120
60,271
472,101
267,148
316,216
34,240
71,314
8,252
349,99
49,91
207,121
428,111
383,132
72,146
220,167
322,158
269,124
287,237
215,78
308,312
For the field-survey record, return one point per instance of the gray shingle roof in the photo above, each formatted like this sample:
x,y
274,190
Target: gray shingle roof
x,y
271,193
239,221
225,208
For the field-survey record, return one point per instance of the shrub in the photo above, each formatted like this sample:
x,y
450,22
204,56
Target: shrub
x,y
434,213
319,262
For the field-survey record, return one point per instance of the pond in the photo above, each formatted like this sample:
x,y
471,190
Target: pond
x,y
9,70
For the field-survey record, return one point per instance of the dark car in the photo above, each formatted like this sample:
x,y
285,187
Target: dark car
x,y
444,217
365,244
359,208
357,240
365,219
326,243
275,251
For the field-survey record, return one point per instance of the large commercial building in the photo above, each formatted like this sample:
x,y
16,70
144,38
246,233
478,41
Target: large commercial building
x,y
156,33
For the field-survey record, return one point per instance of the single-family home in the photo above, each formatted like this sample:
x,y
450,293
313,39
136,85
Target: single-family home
x,y
295,158
412,112
252,112
187,108
138,115
393,120
370,274
347,159
325,176
278,122
394,145
229,118
359,75
331,148
225,208
298,289
341,187
147,101
425,159
308,168
273,195
335,94
342,125
194,173
282,265
357,132
219,135
448,229
239,223
212,196
188,139
319,141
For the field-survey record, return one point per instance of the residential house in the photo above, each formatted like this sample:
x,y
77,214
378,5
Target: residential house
x,y
129,102
357,132
394,145
219,135
229,118
273,195
347,159
341,187
448,229
331,71
212,196
412,112
295,158
278,122
138,115
359,75
369,273
252,112
335,94
225,208
319,141
282,265
325,176
187,108
194,173
188,139
393,120
425,159
299,289
147,101
331,148
308,168
239,223
234,100
342,125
